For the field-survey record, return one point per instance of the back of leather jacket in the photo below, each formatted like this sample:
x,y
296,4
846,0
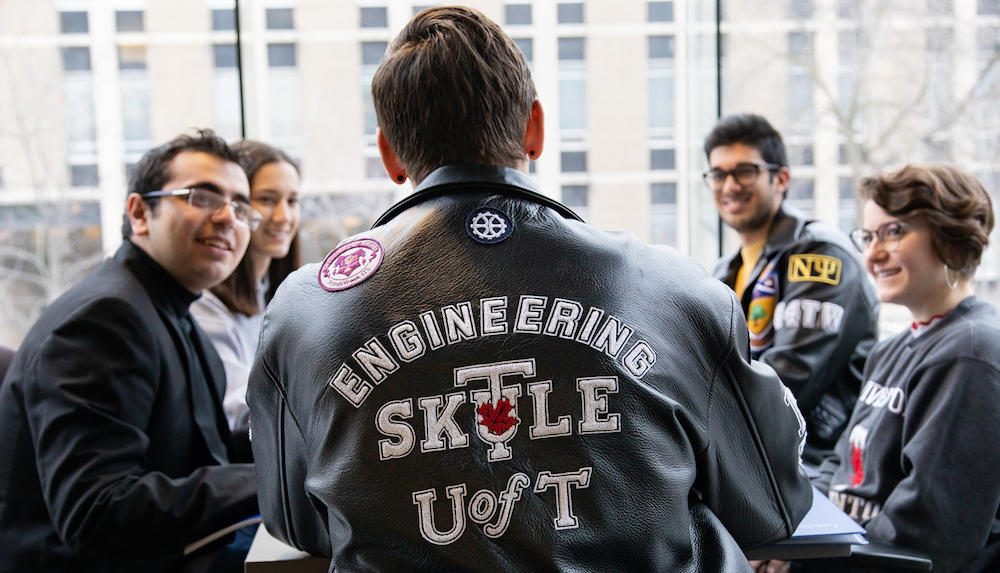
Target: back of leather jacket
x,y
562,399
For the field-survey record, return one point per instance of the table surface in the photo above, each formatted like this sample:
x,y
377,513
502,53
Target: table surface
x,y
824,532
267,554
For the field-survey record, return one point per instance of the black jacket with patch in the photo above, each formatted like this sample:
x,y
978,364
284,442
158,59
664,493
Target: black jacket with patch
x,y
813,317
561,399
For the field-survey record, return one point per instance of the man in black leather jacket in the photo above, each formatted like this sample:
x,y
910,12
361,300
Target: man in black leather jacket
x,y
483,382
809,304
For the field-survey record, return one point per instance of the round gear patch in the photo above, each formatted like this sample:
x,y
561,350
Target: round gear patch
x,y
488,225
350,264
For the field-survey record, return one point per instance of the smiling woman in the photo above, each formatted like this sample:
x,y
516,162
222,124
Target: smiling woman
x,y
932,389
230,312
932,224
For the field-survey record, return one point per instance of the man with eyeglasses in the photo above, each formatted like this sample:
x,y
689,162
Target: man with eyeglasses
x,y
115,454
810,307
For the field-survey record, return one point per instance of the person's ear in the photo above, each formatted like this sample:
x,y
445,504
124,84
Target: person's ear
x,y
534,135
139,213
781,180
389,160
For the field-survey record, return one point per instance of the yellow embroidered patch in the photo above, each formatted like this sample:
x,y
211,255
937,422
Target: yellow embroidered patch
x,y
814,268
760,314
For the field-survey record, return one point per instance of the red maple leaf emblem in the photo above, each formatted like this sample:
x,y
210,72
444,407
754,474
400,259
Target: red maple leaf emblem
x,y
497,419
856,465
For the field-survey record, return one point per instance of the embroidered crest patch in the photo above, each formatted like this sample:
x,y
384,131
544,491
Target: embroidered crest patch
x,y
488,225
760,313
350,264
814,268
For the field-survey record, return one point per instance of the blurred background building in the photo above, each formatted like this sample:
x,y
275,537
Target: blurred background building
x,y
630,88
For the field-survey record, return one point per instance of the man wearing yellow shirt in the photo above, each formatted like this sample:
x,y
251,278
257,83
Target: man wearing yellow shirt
x,y
810,306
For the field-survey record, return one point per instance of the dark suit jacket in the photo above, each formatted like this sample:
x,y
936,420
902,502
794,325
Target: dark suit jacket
x,y
111,457
6,355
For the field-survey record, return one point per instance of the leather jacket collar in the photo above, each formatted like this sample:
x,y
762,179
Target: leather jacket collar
x,y
451,179
787,227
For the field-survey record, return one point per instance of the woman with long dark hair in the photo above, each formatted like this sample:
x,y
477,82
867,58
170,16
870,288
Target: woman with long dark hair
x,y
230,312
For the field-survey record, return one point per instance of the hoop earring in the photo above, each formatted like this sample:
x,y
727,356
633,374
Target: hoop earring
x,y
947,279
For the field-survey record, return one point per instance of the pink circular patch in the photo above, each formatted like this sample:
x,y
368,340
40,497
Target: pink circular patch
x,y
350,264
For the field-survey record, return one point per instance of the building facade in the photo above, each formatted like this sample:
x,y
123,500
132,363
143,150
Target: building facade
x,y
630,88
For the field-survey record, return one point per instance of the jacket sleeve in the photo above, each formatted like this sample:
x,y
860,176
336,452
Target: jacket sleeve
x,y
96,386
948,501
751,475
824,324
280,452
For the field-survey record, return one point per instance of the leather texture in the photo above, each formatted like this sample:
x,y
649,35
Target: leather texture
x,y
641,437
111,457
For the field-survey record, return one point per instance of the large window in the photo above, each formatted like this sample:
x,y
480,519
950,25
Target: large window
x,y
629,90
861,87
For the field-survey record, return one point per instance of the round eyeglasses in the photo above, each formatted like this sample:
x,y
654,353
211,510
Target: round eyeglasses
x,y
743,173
212,202
889,234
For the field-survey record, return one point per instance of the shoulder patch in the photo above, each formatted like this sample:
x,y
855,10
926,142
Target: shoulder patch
x,y
350,264
760,313
488,225
814,268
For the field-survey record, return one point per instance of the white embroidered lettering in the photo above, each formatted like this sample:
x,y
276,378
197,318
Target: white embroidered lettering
x,y
594,393
589,325
866,393
406,341
458,322
896,400
350,385
494,315
482,506
439,423
529,314
792,403
541,428
792,313
424,500
640,359
508,497
496,407
564,318
810,308
565,519
403,432
433,331
374,359
833,315
612,337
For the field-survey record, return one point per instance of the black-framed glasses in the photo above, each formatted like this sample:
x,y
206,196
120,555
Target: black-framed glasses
x,y
743,173
212,202
888,234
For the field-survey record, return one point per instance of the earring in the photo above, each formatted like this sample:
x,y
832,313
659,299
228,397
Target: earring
x,y
400,178
947,279
531,153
